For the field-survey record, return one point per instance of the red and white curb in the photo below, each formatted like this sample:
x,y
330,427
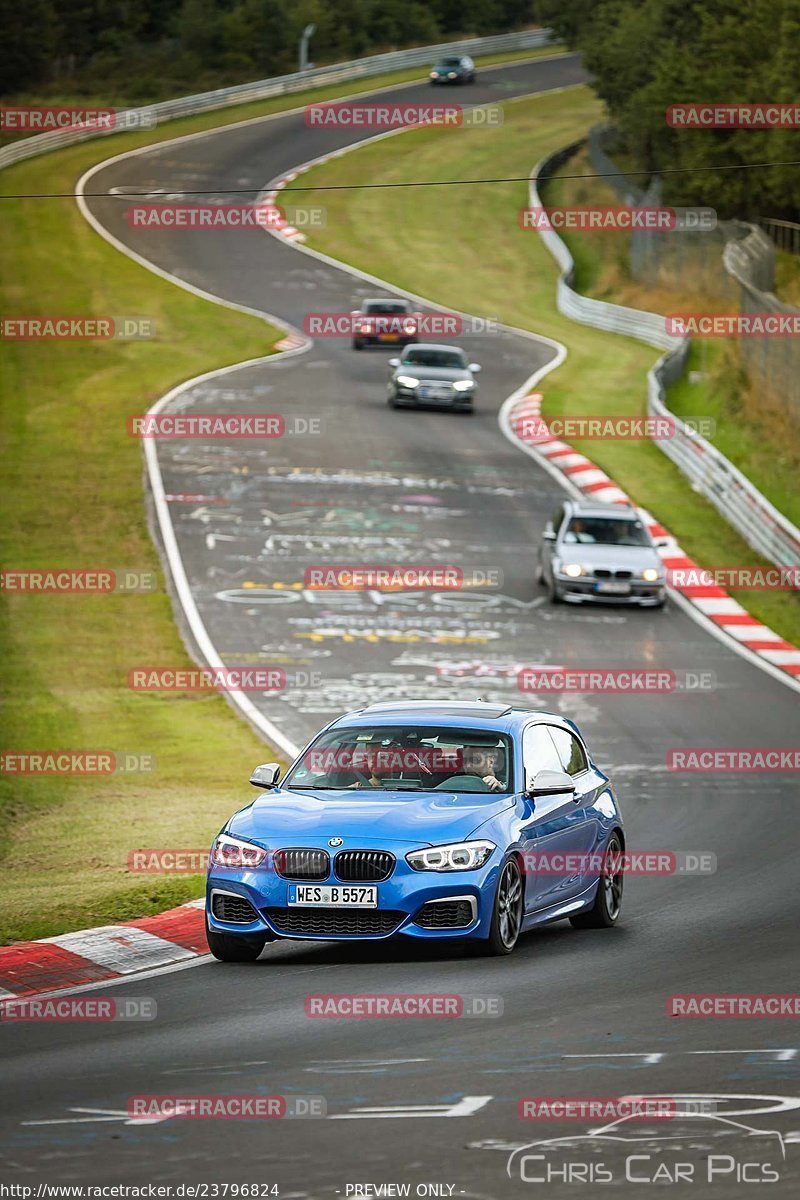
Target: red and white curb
x,y
710,599
99,955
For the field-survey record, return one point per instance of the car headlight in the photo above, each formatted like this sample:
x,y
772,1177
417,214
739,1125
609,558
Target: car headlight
x,y
651,574
407,381
452,75
231,852
410,327
458,856
573,570
463,385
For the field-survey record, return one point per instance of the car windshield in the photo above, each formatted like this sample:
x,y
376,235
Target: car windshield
x,y
384,306
420,356
606,531
406,758
450,62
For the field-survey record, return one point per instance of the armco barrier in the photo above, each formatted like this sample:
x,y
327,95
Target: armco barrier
x,y
711,474
281,85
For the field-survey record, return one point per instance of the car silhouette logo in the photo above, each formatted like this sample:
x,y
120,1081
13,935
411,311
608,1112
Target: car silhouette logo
x,y
335,842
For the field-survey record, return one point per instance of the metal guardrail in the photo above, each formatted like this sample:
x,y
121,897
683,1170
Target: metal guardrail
x,y
711,473
263,89
785,234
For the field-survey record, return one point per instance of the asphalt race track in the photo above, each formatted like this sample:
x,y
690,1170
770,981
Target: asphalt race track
x,y
584,1013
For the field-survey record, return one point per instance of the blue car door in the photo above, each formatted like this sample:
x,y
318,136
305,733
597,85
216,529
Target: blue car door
x,y
558,832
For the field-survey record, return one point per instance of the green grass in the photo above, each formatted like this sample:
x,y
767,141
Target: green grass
x,y
760,440
76,480
462,247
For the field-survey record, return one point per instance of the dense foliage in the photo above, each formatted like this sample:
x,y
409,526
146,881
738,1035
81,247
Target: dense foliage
x,y
146,49
648,54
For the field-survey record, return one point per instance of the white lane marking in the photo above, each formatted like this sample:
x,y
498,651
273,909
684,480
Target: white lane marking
x,y
122,948
359,1066
780,1055
651,1058
752,633
787,658
98,1115
467,1106
719,606
775,1104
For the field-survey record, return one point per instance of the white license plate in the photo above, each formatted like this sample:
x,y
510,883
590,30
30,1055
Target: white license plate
x,y
614,589
433,393
333,896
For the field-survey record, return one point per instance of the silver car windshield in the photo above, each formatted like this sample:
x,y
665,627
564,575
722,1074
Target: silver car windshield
x,y
406,758
605,531
419,357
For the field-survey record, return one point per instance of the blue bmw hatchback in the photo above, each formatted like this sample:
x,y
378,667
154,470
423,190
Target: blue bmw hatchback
x,y
426,820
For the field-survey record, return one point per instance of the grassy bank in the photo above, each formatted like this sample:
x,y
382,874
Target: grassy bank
x,y
462,247
758,436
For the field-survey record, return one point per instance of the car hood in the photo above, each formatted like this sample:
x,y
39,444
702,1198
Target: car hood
x,y
634,558
419,818
448,374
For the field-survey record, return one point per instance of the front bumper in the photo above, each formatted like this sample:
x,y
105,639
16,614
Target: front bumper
x,y
584,590
411,398
385,339
401,901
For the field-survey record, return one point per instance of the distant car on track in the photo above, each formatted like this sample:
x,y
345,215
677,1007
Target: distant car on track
x,y
430,375
425,819
385,321
454,69
600,552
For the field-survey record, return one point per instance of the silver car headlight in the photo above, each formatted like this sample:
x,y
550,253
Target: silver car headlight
x,y
458,856
651,574
573,570
463,385
407,381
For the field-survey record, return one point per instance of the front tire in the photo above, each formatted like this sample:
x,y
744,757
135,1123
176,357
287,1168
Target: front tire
x,y
507,912
230,948
605,911
553,594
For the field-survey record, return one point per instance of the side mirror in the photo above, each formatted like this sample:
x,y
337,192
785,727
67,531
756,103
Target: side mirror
x,y
551,783
662,542
394,362
474,367
549,535
265,776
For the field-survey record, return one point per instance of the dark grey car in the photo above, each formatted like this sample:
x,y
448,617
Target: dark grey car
x,y
601,552
434,376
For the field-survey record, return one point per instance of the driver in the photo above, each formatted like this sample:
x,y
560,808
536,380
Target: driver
x,y
487,762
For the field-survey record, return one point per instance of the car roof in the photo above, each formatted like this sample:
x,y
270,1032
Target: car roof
x,y
433,346
467,714
599,508
385,300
